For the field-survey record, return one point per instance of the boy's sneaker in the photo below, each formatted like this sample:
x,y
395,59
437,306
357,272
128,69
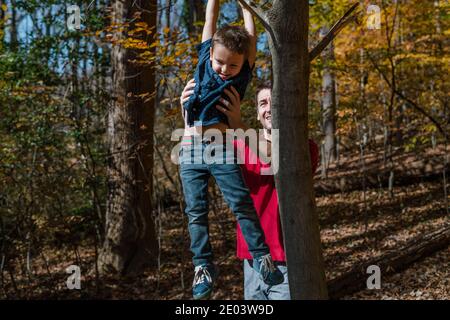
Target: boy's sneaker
x,y
204,277
269,273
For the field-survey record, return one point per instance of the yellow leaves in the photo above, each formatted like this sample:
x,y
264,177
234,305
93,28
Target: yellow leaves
x,y
141,27
133,36
344,112
174,112
429,128
147,96
167,60
423,59
4,7
10,74
131,43
49,149
147,56
179,51
141,24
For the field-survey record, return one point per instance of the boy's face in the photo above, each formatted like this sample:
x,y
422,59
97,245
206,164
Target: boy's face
x,y
264,101
225,62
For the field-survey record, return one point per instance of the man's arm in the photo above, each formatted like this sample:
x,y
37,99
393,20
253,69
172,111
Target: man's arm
x,y
250,26
211,16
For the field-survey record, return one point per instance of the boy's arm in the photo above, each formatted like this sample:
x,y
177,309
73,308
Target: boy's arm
x,y
211,16
250,26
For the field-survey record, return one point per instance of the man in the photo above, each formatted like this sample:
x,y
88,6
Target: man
x,y
263,193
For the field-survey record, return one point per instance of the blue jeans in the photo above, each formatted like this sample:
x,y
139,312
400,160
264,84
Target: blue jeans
x,y
228,176
256,289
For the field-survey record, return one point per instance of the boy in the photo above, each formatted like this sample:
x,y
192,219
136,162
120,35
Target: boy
x,y
226,58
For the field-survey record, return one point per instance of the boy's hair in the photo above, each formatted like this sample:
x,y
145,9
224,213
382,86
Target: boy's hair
x,y
234,38
262,86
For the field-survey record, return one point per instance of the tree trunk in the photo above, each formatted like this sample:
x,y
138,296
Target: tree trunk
x,y
400,107
329,102
289,47
195,14
168,12
130,240
2,23
14,44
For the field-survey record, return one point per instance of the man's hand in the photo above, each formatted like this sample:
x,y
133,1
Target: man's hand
x,y
233,109
187,92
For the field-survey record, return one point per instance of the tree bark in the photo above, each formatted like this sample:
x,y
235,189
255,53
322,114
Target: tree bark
x,y
329,102
2,12
400,106
289,47
14,42
130,240
196,13
2,23
168,12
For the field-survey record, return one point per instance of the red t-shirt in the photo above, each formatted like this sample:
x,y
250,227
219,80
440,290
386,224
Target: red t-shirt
x,y
265,199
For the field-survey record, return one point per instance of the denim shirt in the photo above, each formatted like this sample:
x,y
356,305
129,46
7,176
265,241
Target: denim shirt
x,y
209,87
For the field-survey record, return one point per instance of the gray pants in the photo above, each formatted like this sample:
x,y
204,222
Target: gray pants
x,y
256,289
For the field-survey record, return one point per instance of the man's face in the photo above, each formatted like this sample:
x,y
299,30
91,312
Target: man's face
x,y
264,105
225,62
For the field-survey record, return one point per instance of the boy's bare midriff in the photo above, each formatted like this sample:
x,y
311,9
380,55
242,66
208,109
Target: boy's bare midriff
x,y
222,127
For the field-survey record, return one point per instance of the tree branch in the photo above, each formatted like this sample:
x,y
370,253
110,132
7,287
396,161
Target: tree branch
x,y
403,97
338,26
260,15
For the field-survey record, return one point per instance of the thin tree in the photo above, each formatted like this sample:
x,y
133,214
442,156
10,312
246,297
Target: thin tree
x,y
2,22
194,15
329,101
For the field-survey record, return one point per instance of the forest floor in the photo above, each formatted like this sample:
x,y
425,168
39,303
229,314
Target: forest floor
x,y
353,230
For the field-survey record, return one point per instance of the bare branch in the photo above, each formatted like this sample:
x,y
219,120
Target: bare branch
x,y
260,15
338,26
403,97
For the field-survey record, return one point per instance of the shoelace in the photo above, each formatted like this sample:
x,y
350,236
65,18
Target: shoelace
x,y
200,274
267,264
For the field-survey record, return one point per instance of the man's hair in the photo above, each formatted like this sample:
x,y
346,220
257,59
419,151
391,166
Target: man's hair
x,y
234,38
262,86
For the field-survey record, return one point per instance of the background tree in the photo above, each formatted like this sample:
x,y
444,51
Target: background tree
x,y
130,240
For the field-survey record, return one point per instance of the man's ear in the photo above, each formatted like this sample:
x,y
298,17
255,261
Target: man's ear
x,y
258,117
